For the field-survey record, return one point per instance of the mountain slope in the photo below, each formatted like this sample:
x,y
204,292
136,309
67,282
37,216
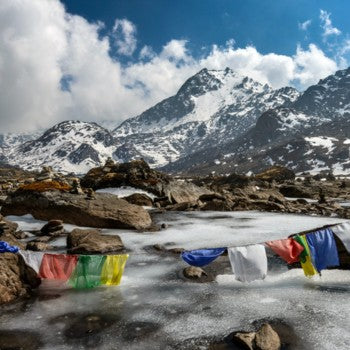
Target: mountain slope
x,y
70,146
211,107
313,134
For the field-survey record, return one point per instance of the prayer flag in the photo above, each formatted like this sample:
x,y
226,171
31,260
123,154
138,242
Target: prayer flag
x,y
32,259
57,266
113,268
343,233
202,257
288,249
323,249
7,248
87,273
305,257
248,263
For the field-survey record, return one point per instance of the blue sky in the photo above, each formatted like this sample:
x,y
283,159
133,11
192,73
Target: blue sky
x,y
98,60
269,25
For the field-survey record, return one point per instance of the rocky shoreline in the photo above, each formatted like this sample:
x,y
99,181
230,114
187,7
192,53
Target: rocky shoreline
x,y
60,199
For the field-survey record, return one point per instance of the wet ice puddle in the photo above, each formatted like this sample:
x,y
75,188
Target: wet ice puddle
x,y
154,308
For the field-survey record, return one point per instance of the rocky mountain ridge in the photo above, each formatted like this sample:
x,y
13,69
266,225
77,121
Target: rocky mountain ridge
x,y
218,122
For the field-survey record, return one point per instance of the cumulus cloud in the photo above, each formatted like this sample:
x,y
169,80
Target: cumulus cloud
x,y
305,25
124,33
56,66
327,25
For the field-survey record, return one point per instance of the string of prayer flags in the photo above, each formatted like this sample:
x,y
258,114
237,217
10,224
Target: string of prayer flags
x,y
323,249
305,257
288,249
87,273
248,263
7,248
342,231
202,257
57,266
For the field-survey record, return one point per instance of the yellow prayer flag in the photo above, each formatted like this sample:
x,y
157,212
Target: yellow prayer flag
x,y
113,268
308,267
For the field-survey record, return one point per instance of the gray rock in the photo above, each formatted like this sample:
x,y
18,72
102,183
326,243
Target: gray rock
x,y
105,210
92,242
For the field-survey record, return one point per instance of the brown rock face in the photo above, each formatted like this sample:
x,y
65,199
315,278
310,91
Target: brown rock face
x,y
277,173
92,242
139,199
38,246
104,210
194,272
138,174
267,339
245,340
16,279
179,192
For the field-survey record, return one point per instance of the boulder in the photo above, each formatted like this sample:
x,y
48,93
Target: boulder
x,y
53,228
38,246
16,278
7,226
295,191
217,205
140,199
138,174
105,210
92,242
194,272
276,173
244,339
182,191
267,339
211,196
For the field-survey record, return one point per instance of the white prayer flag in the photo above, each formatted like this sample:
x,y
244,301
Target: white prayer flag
x,y
248,263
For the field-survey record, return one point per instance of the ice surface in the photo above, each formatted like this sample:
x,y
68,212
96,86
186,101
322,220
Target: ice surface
x,y
154,308
124,191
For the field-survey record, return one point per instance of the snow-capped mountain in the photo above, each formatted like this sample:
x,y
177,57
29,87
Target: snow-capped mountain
x,y
219,121
312,134
71,146
211,107
329,98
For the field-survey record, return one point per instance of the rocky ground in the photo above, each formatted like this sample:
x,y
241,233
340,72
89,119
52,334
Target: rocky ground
x,y
59,199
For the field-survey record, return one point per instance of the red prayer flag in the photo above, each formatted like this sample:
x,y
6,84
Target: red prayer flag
x,y
288,249
57,266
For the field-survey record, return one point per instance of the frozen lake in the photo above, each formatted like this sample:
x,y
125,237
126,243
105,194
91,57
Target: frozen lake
x,y
155,308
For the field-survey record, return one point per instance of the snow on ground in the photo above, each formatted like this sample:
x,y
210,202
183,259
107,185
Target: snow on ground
x,y
154,308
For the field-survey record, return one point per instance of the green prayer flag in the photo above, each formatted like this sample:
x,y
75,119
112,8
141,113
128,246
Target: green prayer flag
x,y
87,273
304,254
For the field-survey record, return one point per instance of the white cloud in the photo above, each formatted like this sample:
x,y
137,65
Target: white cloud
x,y
305,25
312,64
124,33
41,45
147,52
326,25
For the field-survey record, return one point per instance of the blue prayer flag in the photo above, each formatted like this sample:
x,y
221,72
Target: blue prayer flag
x,y
201,257
6,248
323,249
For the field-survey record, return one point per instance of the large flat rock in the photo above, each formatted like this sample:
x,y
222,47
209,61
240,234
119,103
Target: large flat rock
x,y
92,242
104,210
